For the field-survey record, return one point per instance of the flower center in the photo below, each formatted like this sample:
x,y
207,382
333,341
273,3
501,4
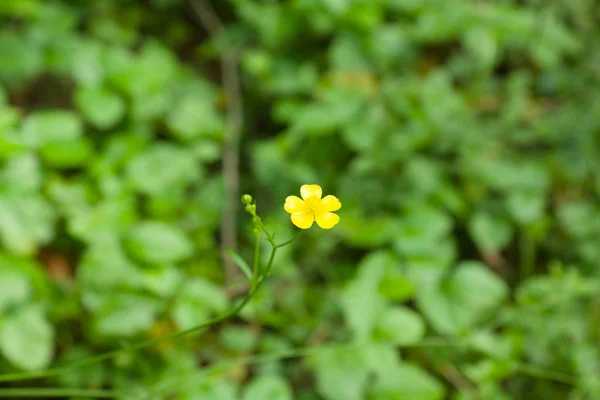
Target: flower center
x,y
314,204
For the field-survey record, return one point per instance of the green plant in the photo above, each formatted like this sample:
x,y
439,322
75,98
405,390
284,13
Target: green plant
x,y
461,137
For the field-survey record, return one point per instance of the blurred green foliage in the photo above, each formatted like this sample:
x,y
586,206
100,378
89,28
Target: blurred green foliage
x,y
462,137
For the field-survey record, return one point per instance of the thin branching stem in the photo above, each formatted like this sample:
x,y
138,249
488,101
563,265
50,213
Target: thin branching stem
x,y
257,281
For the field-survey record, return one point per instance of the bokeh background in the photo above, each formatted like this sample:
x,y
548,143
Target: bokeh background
x,y
462,137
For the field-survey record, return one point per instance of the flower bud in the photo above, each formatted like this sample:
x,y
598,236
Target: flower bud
x,y
246,199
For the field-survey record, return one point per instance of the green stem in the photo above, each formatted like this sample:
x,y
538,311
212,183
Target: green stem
x,y
267,270
289,241
256,258
542,373
299,352
142,345
262,226
56,392
434,342
307,351
257,281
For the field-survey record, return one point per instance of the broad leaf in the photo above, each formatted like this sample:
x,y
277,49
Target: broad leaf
x,y
197,300
268,387
458,302
400,324
491,233
407,382
100,107
27,337
158,242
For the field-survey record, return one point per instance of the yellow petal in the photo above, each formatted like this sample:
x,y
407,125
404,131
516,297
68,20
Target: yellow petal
x,y
303,220
294,204
327,220
310,191
331,203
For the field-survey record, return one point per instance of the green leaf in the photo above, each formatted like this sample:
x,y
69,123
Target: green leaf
x,y
587,360
158,242
482,44
407,382
289,78
106,267
241,263
67,154
15,287
124,314
426,178
35,273
390,44
113,215
11,142
341,375
457,303
209,389
22,173
491,344
27,338
396,286
491,233
194,115
424,233
269,387
197,300
147,107
154,71
579,218
70,196
526,207
490,370
337,6
363,134
20,59
207,151
51,127
381,357
400,324
162,169
510,175
361,300
26,222
102,108
163,281
316,120
346,53
88,69
238,339
426,221
367,232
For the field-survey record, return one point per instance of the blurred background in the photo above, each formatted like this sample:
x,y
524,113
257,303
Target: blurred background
x,y
462,137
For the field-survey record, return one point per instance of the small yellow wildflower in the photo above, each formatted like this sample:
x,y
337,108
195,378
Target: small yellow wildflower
x,y
313,207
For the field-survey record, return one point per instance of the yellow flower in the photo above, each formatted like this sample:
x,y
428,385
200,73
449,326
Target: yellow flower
x,y
313,208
